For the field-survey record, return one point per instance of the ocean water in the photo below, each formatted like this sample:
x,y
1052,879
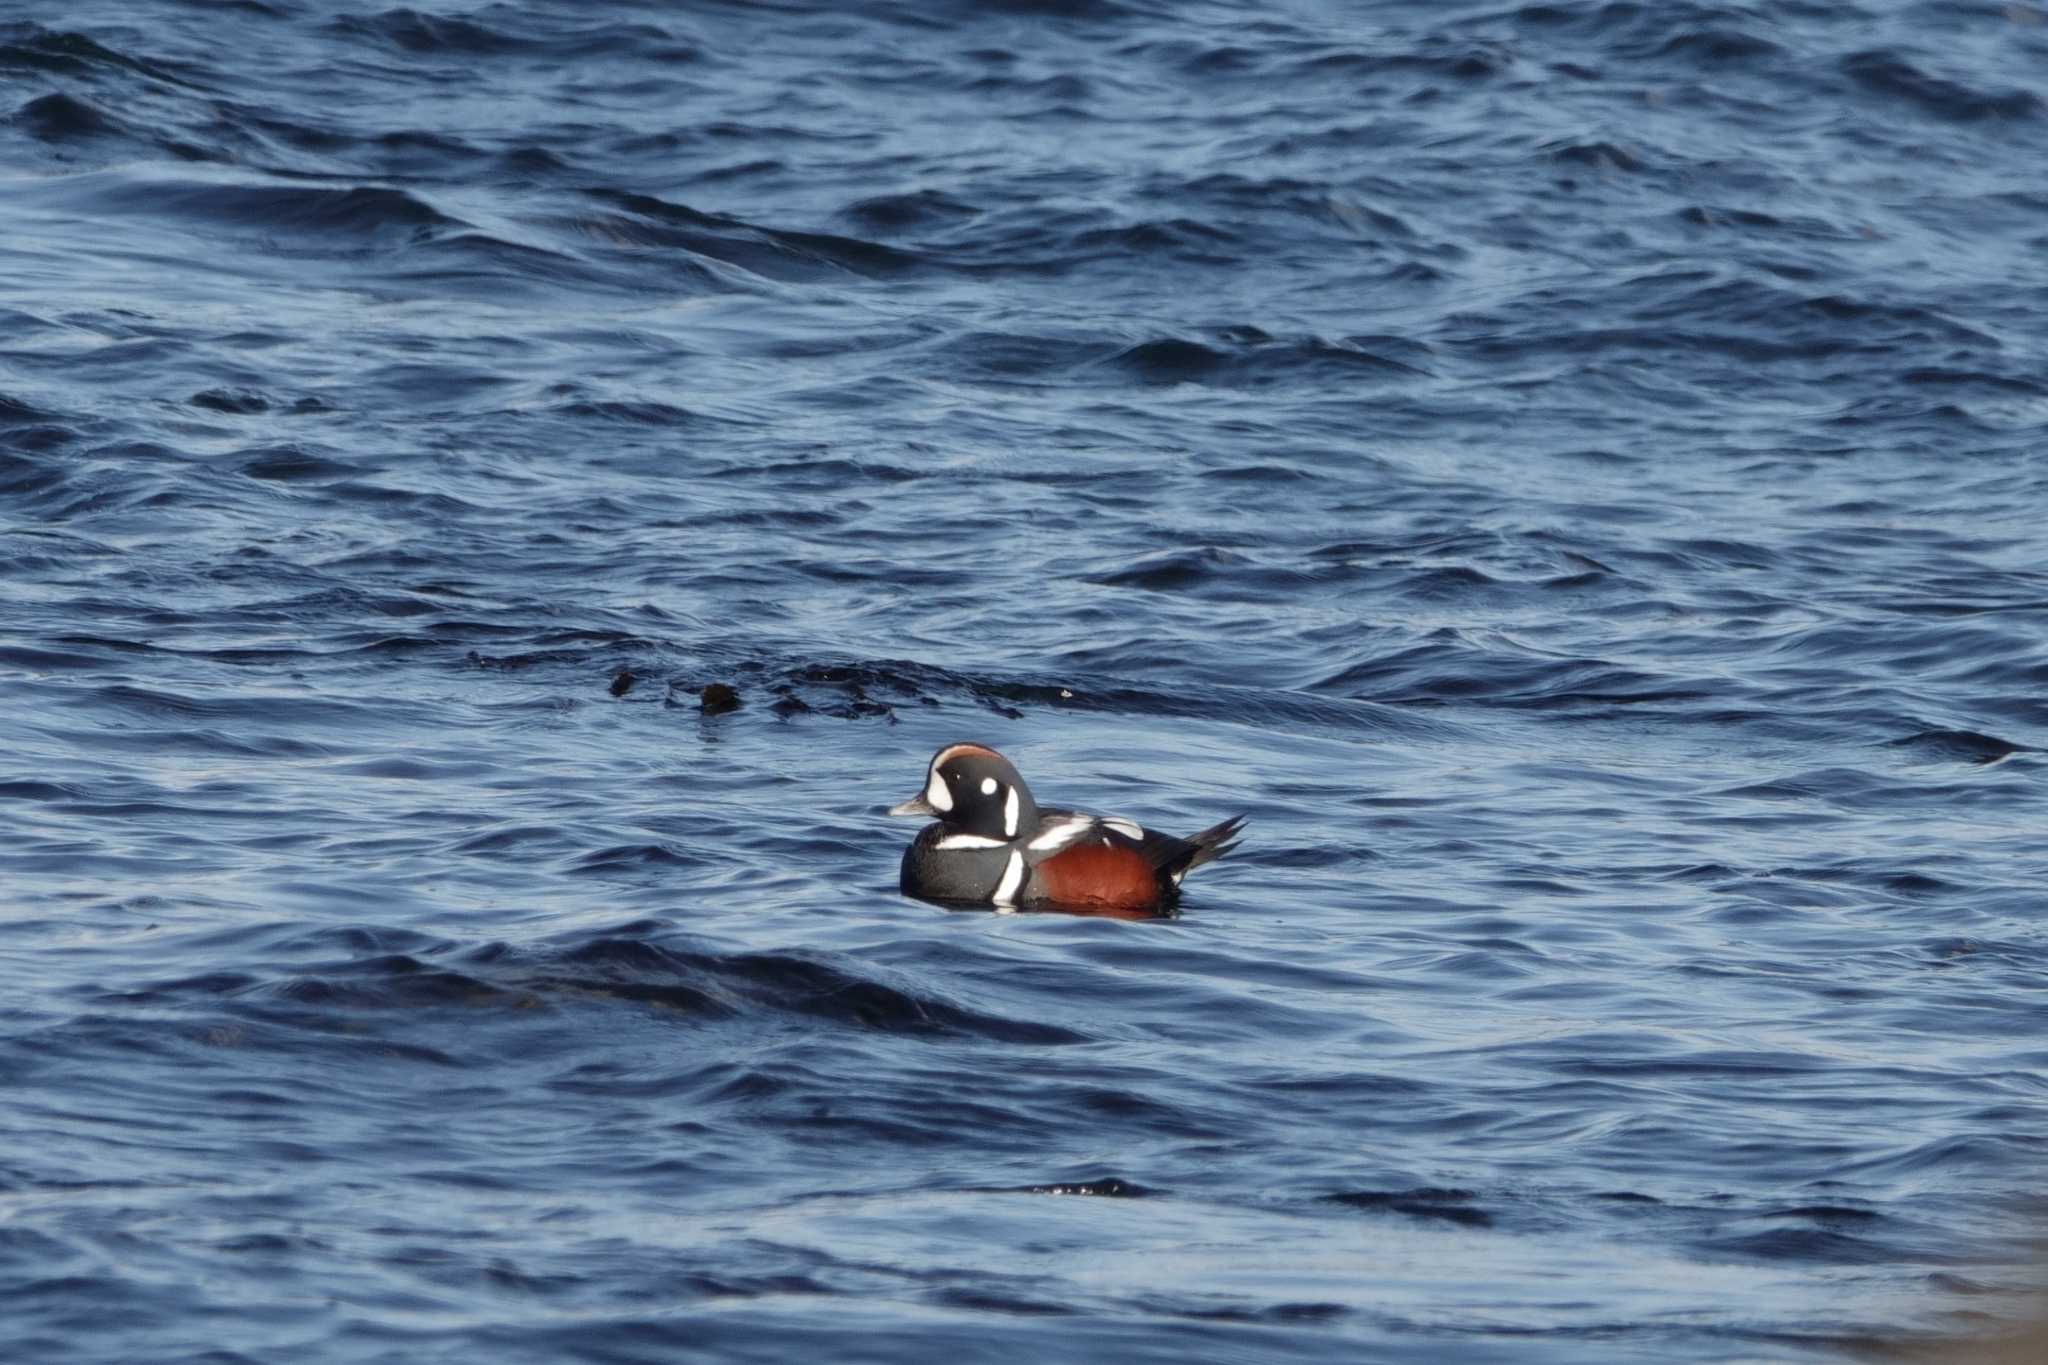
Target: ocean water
x,y
1572,473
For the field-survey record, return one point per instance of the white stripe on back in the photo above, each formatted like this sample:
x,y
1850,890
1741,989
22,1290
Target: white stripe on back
x,y
1058,834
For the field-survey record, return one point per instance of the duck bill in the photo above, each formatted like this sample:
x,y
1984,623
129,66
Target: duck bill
x,y
916,805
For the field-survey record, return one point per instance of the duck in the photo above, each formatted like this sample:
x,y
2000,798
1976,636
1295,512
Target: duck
x,y
990,843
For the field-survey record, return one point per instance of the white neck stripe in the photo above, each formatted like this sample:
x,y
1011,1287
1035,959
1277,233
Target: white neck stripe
x,y
970,841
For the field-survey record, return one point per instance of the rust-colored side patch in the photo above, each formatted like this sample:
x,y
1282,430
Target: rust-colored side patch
x,y
1105,875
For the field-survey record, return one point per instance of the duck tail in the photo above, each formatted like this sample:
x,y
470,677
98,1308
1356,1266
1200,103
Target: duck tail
x,y
1206,847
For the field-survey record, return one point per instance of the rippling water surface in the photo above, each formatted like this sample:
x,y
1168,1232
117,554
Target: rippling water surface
x,y
1572,473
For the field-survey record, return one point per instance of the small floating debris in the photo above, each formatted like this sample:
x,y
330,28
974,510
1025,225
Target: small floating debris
x,y
718,698
622,682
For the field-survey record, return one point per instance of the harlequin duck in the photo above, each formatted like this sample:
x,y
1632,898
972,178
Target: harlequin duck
x,y
993,844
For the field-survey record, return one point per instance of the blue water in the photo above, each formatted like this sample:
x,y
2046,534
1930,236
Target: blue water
x,y
1572,473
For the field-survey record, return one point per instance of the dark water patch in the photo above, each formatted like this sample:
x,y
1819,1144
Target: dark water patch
x,y
1885,72
772,253
1260,474
1599,156
425,148
978,1300
64,118
236,402
1965,746
1175,571
630,857
1725,217
36,791
1003,356
827,991
1255,360
24,476
904,214
34,49
820,472
1978,379
15,412
354,211
1442,1205
894,682
422,33
1831,319
394,982
383,497
291,464
1175,237
513,839
536,163
666,415
697,980
741,171
1718,46
464,261
152,704
1823,1245
1451,671
1172,361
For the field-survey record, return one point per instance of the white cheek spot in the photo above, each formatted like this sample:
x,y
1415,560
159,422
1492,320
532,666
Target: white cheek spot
x,y
1013,878
936,792
988,786
1010,814
1128,828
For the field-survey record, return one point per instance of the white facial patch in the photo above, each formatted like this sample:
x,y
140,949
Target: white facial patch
x,y
988,786
1010,813
969,841
1013,878
1128,828
936,792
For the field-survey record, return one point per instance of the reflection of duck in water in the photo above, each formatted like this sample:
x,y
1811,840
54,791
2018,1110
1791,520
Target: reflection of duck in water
x,y
991,844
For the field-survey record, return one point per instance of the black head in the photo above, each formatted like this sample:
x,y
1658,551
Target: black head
x,y
972,789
